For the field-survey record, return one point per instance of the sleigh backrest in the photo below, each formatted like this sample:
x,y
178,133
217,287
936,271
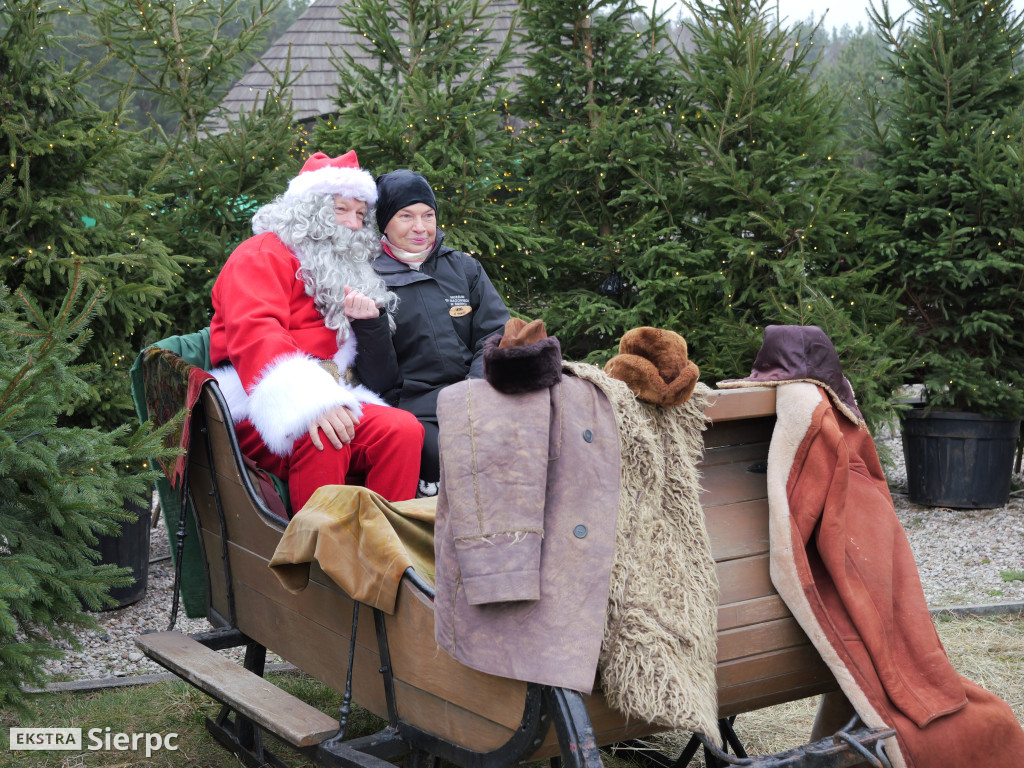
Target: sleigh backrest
x,y
228,496
764,657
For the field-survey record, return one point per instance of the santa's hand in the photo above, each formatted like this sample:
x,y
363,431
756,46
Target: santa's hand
x,y
359,306
338,426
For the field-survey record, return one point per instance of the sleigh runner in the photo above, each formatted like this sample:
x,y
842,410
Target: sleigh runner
x,y
437,708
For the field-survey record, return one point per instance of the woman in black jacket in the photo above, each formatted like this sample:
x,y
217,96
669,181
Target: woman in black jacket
x,y
447,307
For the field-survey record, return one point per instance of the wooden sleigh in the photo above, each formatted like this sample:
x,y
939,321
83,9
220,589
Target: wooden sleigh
x,y
436,708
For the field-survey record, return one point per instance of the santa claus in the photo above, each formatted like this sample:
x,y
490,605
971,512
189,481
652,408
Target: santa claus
x,y
289,307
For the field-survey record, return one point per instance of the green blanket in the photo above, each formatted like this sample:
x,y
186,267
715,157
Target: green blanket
x,y
194,349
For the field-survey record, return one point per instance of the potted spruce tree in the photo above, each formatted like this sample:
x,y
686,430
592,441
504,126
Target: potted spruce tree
x,y
949,170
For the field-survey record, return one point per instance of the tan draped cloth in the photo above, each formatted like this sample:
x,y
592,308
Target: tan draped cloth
x,y
362,541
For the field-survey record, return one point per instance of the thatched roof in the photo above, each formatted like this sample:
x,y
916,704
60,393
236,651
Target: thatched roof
x,y
312,42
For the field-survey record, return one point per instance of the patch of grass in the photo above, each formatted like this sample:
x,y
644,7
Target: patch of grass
x,y
995,593
987,650
1011,575
160,708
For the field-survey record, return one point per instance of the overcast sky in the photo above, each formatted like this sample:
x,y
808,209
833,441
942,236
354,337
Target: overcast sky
x,y
836,12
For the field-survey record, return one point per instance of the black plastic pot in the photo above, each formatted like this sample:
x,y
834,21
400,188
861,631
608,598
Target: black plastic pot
x,y
129,550
958,460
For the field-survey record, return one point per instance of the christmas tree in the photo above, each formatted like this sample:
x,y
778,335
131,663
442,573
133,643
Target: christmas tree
x,y
776,230
599,169
433,99
212,171
855,68
949,175
60,487
67,203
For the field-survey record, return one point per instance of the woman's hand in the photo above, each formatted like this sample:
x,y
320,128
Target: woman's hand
x,y
359,306
338,425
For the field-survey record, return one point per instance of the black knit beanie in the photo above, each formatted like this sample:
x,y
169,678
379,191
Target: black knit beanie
x,y
400,189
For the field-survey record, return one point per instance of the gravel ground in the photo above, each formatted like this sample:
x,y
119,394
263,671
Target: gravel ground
x,y
965,558
110,650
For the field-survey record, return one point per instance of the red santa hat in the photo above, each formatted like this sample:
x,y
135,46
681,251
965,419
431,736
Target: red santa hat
x,y
334,176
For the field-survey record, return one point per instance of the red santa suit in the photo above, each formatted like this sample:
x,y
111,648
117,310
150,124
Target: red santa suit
x,y
267,342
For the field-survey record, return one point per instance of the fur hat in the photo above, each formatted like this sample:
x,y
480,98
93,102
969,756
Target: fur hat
x,y
653,363
400,189
522,359
800,353
334,176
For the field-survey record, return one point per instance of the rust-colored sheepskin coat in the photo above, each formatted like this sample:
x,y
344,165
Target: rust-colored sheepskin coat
x,y
842,563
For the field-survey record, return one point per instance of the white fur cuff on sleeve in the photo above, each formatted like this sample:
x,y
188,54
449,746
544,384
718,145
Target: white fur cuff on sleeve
x,y
292,392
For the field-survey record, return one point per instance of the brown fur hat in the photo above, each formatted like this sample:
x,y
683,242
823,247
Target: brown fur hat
x,y
653,363
519,333
523,359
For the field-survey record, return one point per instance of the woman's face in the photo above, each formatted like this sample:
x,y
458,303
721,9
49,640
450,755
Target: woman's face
x,y
413,228
349,212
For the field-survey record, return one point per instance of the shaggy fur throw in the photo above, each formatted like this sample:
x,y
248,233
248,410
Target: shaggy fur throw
x,y
523,359
659,649
654,365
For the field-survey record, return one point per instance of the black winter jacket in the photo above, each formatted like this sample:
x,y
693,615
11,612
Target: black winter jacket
x,y
446,309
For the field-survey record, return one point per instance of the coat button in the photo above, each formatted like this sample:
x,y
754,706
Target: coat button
x,y
580,531
588,435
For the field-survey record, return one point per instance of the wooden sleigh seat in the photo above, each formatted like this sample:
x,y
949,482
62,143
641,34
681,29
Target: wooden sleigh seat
x,y
436,707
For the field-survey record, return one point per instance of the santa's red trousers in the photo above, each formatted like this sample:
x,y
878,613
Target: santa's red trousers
x,y
385,450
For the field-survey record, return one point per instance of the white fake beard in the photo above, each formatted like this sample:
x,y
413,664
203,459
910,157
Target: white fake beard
x,y
342,260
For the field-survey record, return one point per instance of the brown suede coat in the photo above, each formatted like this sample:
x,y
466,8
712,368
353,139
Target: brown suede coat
x,y
526,529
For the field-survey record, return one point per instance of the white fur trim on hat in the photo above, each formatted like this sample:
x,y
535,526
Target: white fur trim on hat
x,y
347,182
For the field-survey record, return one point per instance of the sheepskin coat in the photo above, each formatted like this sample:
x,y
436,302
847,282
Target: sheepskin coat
x,y
842,562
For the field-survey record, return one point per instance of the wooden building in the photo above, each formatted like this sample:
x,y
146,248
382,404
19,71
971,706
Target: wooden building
x,y
313,44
